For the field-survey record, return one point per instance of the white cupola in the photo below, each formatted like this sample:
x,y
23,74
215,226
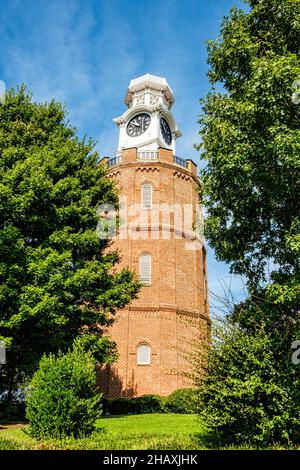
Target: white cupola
x,y
148,123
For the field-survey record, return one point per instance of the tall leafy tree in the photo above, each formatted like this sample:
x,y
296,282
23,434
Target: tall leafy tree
x,y
250,133
250,129
58,280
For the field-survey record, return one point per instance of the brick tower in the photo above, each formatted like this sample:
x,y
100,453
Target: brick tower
x,y
159,240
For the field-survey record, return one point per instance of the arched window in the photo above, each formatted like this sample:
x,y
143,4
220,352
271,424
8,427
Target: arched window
x,y
146,196
145,268
144,354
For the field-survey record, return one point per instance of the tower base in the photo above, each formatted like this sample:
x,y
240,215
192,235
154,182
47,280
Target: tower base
x,y
171,334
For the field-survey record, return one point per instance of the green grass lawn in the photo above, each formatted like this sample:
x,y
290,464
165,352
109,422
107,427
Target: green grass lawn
x,y
151,424
145,431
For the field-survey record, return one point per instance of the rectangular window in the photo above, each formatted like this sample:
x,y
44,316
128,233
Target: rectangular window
x,y
145,269
146,196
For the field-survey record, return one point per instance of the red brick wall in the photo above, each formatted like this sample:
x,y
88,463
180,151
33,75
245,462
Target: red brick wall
x,y
171,312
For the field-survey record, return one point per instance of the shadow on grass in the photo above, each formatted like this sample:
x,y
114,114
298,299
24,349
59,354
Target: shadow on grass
x,y
217,442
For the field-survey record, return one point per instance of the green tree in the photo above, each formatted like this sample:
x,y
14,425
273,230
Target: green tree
x,y
58,280
250,133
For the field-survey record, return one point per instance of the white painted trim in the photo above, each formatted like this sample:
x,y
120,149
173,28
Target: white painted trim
x,y
146,283
144,363
149,185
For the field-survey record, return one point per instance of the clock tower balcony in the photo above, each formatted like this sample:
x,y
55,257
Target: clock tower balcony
x,y
134,156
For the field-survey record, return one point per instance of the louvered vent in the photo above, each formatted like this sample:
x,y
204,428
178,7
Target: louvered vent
x,y
143,354
146,196
145,269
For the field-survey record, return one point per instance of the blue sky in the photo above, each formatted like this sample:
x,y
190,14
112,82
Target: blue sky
x,y
85,52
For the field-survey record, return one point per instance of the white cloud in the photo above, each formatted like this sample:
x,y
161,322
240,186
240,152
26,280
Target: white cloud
x,y
70,54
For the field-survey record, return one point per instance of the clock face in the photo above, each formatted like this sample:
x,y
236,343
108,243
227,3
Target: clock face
x,y
138,124
166,131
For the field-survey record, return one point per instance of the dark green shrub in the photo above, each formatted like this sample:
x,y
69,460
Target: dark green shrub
x,y
104,405
181,401
249,394
62,399
13,412
149,404
143,404
121,406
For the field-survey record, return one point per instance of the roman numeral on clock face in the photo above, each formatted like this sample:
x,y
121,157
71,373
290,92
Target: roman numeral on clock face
x,y
138,124
165,131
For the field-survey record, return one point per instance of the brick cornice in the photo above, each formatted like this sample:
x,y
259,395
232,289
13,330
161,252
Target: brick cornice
x,y
155,164
168,308
191,236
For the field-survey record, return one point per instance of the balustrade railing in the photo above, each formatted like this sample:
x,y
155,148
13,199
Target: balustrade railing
x,y
180,161
147,155
114,161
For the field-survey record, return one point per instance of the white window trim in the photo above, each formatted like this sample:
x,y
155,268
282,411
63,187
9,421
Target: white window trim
x,y
146,283
142,196
139,363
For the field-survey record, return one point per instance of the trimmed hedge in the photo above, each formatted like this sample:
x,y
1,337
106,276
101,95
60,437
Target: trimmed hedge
x,y
149,404
119,406
180,401
139,405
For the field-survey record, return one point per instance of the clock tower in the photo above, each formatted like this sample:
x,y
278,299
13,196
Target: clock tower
x,y
148,123
159,238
